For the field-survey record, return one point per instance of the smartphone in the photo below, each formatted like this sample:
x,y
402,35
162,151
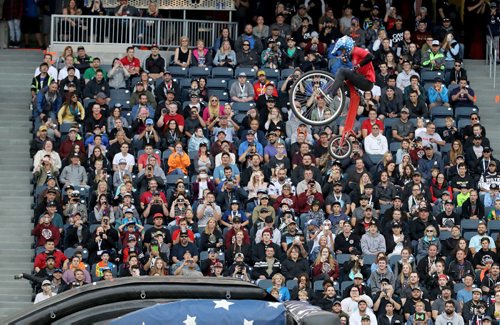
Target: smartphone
x,y
154,249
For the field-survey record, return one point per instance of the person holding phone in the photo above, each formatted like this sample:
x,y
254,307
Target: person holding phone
x,y
179,161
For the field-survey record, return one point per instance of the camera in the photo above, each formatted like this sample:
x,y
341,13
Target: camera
x,y
101,234
180,200
164,111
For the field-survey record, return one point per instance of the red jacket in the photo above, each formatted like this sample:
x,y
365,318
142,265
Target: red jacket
x,y
43,232
304,201
68,145
318,270
59,256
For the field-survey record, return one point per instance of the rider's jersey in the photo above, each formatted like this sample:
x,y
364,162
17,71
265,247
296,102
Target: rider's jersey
x,y
358,54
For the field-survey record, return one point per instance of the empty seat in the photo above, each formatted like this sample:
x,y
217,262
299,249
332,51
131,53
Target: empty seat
x,y
464,112
199,72
264,284
342,258
285,73
242,107
219,93
217,83
222,72
250,72
469,224
394,146
272,74
178,72
427,75
441,111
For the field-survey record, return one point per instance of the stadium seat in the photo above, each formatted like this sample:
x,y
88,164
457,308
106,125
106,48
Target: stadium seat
x,y
178,72
463,123
285,73
222,72
427,75
217,83
318,286
219,93
119,95
250,72
172,179
342,258
185,83
458,286
394,146
369,259
344,285
290,284
272,74
443,235
462,112
440,123
446,148
393,260
469,224
242,107
493,226
264,284
469,234
441,112
203,255
196,72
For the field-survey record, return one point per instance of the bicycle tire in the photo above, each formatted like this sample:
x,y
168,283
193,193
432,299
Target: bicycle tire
x,y
336,150
302,91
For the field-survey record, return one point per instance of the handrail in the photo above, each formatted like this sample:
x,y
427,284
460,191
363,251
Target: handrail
x,y
139,31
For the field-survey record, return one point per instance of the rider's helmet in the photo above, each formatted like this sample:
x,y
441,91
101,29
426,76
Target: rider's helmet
x,y
344,43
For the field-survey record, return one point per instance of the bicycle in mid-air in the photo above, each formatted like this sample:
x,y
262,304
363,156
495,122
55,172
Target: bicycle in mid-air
x,y
305,93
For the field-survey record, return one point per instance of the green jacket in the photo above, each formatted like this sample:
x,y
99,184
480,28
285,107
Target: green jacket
x,y
437,57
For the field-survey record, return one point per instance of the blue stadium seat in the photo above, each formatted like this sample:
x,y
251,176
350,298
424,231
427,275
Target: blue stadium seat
x,y
427,75
469,234
440,123
443,235
196,72
469,224
446,148
441,111
217,83
185,83
222,94
462,112
290,284
178,72
345,284
119,95
369,259
272,74
222,72
463,123
493,226
250,72
342,258
242,107
393,260
264,284
285,73
394,146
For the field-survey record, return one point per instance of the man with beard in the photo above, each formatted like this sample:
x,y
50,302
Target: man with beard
x,y
254,41
449,316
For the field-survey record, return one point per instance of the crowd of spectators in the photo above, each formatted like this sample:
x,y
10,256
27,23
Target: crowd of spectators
x,y
185,179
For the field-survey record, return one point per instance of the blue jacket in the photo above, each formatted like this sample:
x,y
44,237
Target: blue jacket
x,y
425,165
43,105
434,96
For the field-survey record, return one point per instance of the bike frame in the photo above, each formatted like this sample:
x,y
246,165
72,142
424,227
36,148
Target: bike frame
x,y
351,112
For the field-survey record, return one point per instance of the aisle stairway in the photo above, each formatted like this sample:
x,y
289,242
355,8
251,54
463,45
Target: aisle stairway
x,y
16,73
489,109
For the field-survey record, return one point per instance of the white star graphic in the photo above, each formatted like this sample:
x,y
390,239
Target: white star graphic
x,y
190,320
274,304
247,322
222,304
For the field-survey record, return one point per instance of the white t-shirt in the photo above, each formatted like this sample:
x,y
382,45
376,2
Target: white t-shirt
x,y
41,297
129,158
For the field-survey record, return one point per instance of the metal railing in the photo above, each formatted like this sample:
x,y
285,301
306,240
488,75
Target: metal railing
x,y
491,59
178,4
93,30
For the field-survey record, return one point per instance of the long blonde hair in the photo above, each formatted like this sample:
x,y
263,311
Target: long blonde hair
x,y
213,110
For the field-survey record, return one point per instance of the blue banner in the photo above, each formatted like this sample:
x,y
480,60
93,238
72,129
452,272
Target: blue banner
x,y
204,311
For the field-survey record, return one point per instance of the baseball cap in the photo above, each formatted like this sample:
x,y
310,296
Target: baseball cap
x,y
239,255
435,42
149,121
183,234
242,74
358,275
101,95
261,73
477,290
45,282
494,186
405,110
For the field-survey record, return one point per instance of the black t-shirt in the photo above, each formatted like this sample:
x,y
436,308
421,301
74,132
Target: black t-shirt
x,y
481,256
148,235
409,306
457,181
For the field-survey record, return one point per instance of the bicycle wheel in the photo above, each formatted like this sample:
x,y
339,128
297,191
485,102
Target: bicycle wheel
x,y
337,150
306,94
